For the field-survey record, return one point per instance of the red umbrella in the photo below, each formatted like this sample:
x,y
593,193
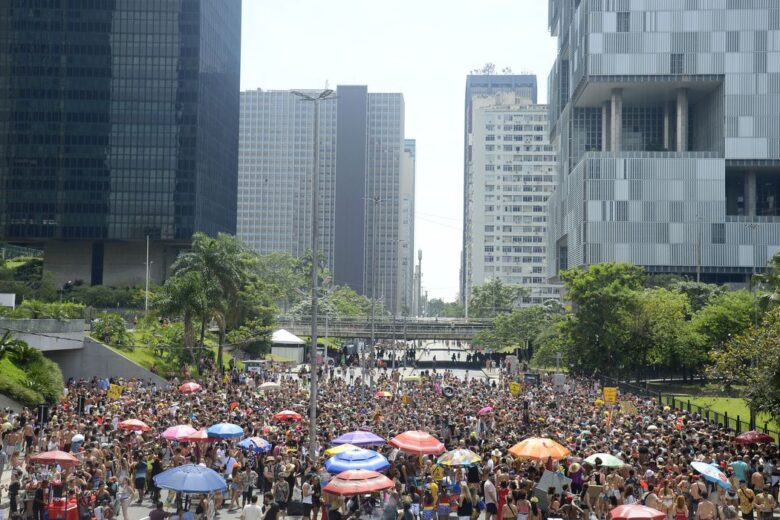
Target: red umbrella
x,y
358,482
198,436
636,512
134,424
52,458
188,388
753,437
417,442
288,415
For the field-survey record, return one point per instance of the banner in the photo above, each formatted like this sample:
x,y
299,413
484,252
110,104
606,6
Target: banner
x,y
114,392
610,394
515,388
628,407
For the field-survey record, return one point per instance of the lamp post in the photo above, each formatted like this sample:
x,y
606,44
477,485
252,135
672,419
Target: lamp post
x,y
315,99
376,199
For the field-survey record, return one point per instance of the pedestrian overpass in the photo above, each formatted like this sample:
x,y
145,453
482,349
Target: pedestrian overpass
x,y
388,328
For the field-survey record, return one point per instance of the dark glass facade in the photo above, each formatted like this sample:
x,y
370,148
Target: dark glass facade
x,y
118,119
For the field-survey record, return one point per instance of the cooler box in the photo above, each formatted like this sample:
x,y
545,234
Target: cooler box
x,y
72,511
56,510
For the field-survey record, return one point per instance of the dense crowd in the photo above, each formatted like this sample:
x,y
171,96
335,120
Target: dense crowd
x,y
117,466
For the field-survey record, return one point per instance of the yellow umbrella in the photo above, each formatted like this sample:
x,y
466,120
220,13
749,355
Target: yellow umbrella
x,y
539,448
341,448
412,378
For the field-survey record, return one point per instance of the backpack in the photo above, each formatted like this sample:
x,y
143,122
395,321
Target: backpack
x,y
644,499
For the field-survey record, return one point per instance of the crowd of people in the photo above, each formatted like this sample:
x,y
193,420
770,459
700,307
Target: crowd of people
x,y
117,467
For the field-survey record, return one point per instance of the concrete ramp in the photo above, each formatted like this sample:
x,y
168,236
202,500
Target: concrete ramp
x,y
95,359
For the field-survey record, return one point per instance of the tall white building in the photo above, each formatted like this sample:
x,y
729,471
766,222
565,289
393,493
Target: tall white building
x,y
406,229
511,175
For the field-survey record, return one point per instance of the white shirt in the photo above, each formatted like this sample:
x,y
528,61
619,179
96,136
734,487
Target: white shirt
x,y
251,512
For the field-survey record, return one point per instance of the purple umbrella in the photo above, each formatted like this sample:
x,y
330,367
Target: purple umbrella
x,y
359,438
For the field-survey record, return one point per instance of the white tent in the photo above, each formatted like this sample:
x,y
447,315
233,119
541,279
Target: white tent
x,y
288,346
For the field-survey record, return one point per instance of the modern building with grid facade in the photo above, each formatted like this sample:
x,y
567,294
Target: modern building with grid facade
x,y
118,121
361,187
511,176
406,229
524,86
666,116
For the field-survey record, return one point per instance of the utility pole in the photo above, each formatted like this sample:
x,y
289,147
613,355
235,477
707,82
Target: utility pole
x,y
146,291
376,200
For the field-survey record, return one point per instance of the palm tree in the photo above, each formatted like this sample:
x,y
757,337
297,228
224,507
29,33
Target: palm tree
x,y
9,345
184,295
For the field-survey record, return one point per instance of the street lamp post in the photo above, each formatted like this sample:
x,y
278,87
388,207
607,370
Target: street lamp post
x,y
315,99
376,199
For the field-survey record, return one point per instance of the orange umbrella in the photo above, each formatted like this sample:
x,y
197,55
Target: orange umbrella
x,y
134,424
417,442
539,448
358,482
52,458
288,415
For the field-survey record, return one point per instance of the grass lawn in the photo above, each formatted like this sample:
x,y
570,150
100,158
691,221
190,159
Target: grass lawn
x,y
734,406
11,371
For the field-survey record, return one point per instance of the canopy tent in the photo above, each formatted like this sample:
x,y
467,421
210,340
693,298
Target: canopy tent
x,y
282,337
288,346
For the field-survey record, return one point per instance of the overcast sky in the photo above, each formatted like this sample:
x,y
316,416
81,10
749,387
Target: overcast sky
x,y
421,48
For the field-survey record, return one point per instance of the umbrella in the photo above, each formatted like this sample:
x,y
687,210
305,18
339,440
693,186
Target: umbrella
x,y
484,410
383,393
255,443
636,512
753,437
538,448
177,433
358,482
412,378
77,438
607,460
712,473
190,478
225,431
460,457
288,415
417,442
270,385
134,424
341,448
53,458
189,388
199,436
356,459
553,479
359,438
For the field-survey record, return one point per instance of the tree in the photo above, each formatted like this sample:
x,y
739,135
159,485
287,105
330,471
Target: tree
x,y
726,316
699,294
494,297
186,295
519,328
9,344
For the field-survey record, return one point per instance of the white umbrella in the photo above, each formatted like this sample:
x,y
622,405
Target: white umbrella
x,y
270,386
77,438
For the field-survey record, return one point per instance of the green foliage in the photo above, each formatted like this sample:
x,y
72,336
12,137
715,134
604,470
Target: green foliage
x,y
36,309
46,377
347,303
725,316
550,343
104,297
494,297
699,294
110,329
28,376
519,328
254,337
439,308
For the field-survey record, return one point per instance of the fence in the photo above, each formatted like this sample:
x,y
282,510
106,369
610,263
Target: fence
x,y
8,251
736,424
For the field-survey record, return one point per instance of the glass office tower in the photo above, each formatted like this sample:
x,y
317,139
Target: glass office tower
x,y
118,121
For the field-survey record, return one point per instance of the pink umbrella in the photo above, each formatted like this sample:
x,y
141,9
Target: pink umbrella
x,y
134,424
484,410
188,388
177,433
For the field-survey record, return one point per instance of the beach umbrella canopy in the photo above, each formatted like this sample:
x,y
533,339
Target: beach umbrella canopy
x,y
539,448
358,482
412,378
55,457
636,512
190,478
484,410
288,415
712,473
270,385
417,442
134,424
256,444
460,457
607,460
225,431
753,437
359,438
383,393
178,432
356,459
198,436
77,438
188,388
341,448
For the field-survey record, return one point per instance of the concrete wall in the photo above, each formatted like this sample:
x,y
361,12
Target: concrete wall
x,y
96,359
47,335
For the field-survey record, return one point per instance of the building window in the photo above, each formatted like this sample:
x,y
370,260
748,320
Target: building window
x,y
676,62
719,233
623,22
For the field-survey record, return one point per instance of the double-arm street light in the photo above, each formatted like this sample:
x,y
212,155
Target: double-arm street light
x,y
315,98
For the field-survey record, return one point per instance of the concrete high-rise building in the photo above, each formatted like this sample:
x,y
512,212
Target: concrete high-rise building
x,y
524,86
406,229
118,122
665,115
362,184
511,175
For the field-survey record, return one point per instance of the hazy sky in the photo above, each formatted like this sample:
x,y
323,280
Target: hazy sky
x,y
421,48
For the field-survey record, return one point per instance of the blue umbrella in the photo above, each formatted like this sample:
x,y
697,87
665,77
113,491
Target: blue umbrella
x,y
225,431
256,444
712,473
356,459
359,438
190,478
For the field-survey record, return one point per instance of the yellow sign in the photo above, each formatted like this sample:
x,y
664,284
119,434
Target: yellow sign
x,y
610,394
628,407
514,388
405,399
114,392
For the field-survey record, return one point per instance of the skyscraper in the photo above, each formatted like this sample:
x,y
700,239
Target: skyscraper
x,y
511,175
118,121
665,115
524,86
406,229
363,184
